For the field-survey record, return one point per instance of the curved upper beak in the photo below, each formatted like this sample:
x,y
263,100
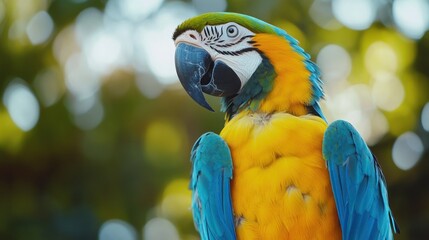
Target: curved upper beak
x,y
192,63
198,73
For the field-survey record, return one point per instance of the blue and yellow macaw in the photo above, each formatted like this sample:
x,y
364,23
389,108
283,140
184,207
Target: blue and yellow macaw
x,y
277,170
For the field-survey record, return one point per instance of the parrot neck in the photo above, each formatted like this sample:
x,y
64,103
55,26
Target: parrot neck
x,y
285,81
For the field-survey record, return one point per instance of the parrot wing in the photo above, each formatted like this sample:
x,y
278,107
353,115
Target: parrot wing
x,y
358,185
210,185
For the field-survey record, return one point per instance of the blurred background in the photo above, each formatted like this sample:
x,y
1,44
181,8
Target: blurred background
x,y
95,131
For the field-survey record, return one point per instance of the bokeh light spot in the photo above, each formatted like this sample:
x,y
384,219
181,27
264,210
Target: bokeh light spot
x,y
80,80
321,13
116,229
49,86
103,52
65,44
160,229
425,117
407,150
136,9
158,55
17,31
88,22
387,91
379,128
104,41
40,28
335,64
411,17
384,44
91,119
354,104
88,112
80,105
176,199
357,15
21,104
380,56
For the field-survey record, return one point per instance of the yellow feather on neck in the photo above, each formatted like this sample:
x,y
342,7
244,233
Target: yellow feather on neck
x,y
292,87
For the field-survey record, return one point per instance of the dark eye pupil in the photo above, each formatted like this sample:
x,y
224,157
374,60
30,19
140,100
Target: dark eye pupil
x,y
232,31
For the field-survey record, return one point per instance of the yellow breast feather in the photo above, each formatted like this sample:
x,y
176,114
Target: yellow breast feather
x,y
281,186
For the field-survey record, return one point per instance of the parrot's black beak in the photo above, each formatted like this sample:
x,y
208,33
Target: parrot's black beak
x,y
198,73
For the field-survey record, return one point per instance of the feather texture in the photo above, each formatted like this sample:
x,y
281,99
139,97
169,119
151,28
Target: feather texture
x,y
210,185
276,134
280,188
358,185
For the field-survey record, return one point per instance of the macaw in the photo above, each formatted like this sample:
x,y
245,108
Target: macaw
x,y
277,170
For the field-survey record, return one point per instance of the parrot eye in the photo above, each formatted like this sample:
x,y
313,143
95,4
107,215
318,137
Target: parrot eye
x,y
232,31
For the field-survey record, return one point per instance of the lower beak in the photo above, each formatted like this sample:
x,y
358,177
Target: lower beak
x,y
198,73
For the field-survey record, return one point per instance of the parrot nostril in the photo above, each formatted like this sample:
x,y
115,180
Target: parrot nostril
x,y
192,36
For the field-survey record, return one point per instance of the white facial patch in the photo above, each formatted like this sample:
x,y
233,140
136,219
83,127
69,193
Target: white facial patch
x,y
229,43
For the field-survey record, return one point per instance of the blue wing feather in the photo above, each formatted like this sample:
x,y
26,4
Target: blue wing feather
x,y
210,185
358,185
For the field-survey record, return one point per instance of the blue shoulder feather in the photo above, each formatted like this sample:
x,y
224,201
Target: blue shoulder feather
x,y
358,185
210,185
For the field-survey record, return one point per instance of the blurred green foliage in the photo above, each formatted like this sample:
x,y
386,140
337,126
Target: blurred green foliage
x,y
60,180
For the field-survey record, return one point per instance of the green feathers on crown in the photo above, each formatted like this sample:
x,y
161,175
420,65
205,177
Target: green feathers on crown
x,y
217,18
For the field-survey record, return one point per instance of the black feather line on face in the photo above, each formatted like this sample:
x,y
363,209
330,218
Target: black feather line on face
x,y
235,53
221,32
235,43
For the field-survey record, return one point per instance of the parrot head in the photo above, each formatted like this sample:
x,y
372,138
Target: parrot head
x,y
248,62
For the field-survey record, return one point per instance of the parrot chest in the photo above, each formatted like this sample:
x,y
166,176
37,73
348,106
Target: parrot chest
x,y
280,187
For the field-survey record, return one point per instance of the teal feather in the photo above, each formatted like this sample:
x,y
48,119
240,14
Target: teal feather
x,y
358,185
210,185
